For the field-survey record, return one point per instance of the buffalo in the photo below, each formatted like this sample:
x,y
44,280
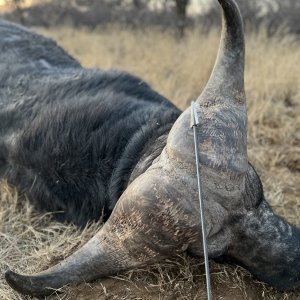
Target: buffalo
x,y
89,143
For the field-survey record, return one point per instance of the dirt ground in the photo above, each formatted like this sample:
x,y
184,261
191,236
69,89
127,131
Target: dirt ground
x,y
31,241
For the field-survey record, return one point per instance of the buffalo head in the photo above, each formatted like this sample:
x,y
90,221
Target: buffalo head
x,y
158,216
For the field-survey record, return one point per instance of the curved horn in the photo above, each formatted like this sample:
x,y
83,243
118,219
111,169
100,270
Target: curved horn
x,y
92,261
221,110
99,257
227,78
144,227
222,104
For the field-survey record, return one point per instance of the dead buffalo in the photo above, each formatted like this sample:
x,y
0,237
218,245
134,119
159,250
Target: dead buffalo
x,y
87,142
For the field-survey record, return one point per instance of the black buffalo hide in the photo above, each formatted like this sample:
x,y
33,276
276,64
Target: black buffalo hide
x,y
71,137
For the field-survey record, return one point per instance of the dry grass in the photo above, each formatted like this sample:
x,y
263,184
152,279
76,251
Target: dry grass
x,y
31,241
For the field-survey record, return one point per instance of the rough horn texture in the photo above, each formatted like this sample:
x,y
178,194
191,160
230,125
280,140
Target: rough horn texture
x,y
222,133
151,221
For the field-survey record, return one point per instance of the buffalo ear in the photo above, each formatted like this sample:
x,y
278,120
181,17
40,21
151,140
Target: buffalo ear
x,y
268,246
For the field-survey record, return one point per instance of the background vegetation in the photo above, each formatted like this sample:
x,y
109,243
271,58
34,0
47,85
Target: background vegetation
x,y
274,15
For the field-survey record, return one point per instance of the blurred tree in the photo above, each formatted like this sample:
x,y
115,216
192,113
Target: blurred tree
x,y
286,16
181,13
274,15
181,8
17,6
138,3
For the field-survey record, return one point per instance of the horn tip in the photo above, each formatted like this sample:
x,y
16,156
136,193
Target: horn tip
x,y
13,280
23,284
